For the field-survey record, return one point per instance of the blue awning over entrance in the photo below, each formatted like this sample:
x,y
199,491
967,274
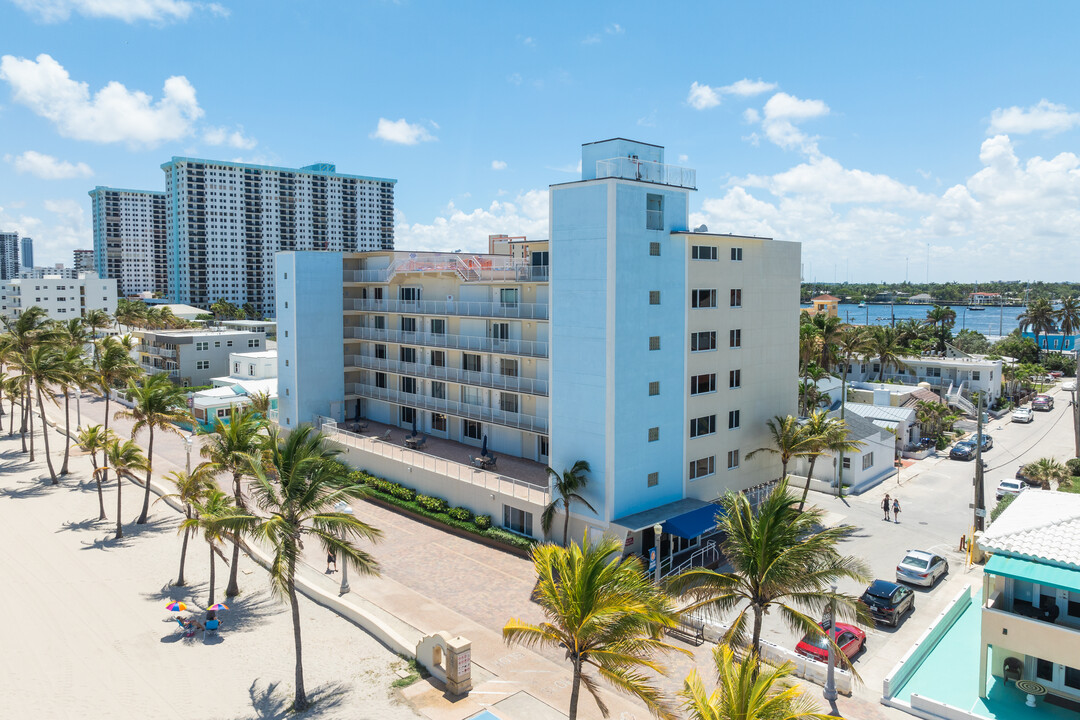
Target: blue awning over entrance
x,y
692,524
1036,572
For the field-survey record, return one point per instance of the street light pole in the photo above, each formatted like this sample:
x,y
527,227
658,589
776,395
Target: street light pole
x,y
830,679
980,510
343,507
658,531
189,440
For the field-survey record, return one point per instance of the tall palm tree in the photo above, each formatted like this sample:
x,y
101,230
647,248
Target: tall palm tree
x,y
603,610
214,517
296,483
227,450
1039,316
829,329
1068,315
788,441
93,439
910,333
30,328
824,434
566,487
782,560
809,344
191,490
809,394
747,690
72,370
12,386
94,319
123,458
43,365
885,346
260,403
158,404
113,367
941,318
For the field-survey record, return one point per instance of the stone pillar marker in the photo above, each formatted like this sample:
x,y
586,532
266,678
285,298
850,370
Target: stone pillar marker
x,y
458,666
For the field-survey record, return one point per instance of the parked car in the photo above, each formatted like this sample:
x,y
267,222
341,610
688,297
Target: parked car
x,y
888,601
1042,402
1010,487
963,450
1056,374
1023,415
921,568
987,442
849,638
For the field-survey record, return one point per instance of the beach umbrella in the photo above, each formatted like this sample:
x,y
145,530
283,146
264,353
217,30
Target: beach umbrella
x,y
176,607
483,450
218,606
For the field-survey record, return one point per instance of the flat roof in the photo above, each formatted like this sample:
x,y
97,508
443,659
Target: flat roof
x,y
721,235
636,142
274,168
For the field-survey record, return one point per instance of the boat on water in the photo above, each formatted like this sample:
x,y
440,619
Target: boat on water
x,y
862,305
976,308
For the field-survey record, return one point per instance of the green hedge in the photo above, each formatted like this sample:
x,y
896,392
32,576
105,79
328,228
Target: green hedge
x,y
1073,466
460,518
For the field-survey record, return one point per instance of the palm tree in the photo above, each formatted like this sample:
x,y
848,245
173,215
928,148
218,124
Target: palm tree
x,y
1046,471
886,348
605,613
1068,315
851,345
747,690
113,366
124,458
566,487
29,329
809,344
215,516
191,490
72,369
789,441
260,403
782,560
1039,316
12,386
808,388
95,319
91,440
42,366
158,405
824,434
130,312
910,333
227,450
941,318
829,329
297,482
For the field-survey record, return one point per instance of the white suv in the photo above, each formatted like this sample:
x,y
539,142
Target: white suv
x,y
1023,415
1010,487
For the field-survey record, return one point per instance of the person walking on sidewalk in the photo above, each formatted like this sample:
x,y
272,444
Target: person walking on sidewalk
x,y
885,505
895,510
331,559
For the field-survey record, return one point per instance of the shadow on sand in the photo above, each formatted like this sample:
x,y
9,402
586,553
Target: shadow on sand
x,y
246,612
33,487
131,532
275,703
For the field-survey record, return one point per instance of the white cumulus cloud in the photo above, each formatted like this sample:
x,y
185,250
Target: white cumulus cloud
x,y
779,119
498,164
233,138
1045,117
47,167
127,10
112,114
526,214
747,87
401,132
703,96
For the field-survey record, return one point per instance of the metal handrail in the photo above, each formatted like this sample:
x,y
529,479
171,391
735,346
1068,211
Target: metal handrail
x,y
532,348
526,311
521,421
532,386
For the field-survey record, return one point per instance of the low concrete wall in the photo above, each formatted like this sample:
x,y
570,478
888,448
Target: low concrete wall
x,y
911,660
936,709
919,455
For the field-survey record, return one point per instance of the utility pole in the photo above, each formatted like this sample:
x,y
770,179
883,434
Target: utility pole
x,y
1076,414
980,508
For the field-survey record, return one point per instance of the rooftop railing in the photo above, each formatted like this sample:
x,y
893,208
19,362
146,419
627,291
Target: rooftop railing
x,y
470,268
530,348
646,171
514,383
521,421
528,311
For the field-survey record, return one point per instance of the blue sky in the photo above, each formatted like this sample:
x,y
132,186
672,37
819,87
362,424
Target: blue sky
x,y
868,132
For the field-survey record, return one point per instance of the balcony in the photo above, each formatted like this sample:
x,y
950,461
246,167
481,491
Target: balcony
x,y
151,369
1013,628
513,383
532,423
530,348
470,268
528,311
645,171
159,351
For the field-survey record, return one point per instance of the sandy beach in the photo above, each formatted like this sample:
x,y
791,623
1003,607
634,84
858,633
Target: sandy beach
x,y
87,633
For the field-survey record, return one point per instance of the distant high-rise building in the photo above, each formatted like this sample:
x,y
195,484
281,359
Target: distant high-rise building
x,y
226,221
27,253
84,261
129,239
9,255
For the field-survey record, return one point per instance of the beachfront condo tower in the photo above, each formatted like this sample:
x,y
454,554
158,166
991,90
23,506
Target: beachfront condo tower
x,y
129,239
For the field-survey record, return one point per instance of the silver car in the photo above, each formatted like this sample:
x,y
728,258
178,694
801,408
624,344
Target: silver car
x,y
1023,415
921,568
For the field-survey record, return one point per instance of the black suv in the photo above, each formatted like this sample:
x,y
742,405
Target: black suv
x,y
888,601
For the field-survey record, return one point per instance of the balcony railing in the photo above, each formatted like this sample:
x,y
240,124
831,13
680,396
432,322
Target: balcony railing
x,y
159,351
528,311
469,268
532,423
513,383
633,169
530,348
154,370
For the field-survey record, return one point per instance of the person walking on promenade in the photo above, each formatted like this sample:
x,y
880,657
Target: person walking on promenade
x,y
885,505
331,559
896,510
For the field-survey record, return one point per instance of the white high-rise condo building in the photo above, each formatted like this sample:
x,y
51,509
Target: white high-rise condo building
x,y
9,255
129,239
84,260
226,221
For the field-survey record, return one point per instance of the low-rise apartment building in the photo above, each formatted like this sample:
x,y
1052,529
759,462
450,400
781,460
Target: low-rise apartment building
x,y
250,373
947,375
61,298
192,357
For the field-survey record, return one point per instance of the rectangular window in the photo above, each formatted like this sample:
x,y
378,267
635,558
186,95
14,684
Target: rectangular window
x,y
654,249
1072,678
654,434
735,339
380,380
508,297
407,385
703,298
470,362
736,254
654,342
847,463
380,351
703,467
407,354
409,294
438,326
438,358
408,324
236,368
202,364
732,459
508,367
438,389
472,429
202,346
653,479
702,341
380,322
705,425
253,343
654,388
508,402
654,297
407,415
217,343
542,445
733,419
735,378
736,297
975,375
438,422
471,396
1044,669
700,384
251,371
867,460
654,212
703,252
517,520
